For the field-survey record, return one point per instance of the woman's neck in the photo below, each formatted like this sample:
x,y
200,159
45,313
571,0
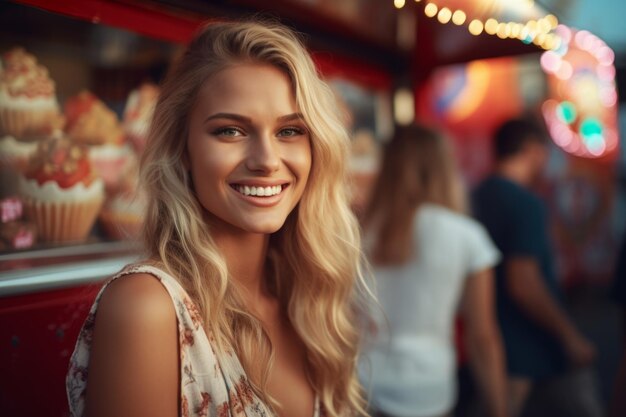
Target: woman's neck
x,y
246,256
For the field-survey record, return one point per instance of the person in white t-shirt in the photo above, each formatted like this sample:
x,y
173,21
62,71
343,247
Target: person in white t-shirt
x,y
429,259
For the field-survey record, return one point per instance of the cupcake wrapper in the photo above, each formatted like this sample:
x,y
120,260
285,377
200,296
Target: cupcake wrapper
x,y
63,221
23,123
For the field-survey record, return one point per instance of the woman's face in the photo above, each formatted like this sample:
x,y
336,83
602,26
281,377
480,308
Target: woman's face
x,y
249,150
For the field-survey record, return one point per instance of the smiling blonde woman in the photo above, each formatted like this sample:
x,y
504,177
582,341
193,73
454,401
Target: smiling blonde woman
x,y
245,304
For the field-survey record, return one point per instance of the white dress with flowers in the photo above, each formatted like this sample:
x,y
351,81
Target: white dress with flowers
x,y
211,385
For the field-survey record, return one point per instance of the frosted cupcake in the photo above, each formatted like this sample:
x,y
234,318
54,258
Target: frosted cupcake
x,y
60,192
14,154
138,114
91,122
29,109
122,216
28,104
123,213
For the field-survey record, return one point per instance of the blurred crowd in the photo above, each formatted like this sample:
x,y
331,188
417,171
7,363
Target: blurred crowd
x,y
470,318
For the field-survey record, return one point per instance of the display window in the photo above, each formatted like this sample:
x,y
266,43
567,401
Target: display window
x,y
75,103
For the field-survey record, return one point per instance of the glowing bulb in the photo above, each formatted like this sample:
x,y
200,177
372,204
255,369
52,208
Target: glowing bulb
x,y
549,42
404,106
539,39
552,21
566,112
444,15
524,33
458,18
543,26
491,26
595,144
430,10
605,73
516,29
605,55
501,31
564,33
550,62
581,38
476,27
559,46
399,3
591,126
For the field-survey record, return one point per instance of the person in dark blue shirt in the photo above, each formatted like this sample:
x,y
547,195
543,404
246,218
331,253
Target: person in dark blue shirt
x,y
540,340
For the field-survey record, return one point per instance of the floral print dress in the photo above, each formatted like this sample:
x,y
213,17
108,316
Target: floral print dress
x,y
211,385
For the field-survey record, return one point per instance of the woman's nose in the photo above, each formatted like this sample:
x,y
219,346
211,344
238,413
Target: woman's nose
x,y
263,155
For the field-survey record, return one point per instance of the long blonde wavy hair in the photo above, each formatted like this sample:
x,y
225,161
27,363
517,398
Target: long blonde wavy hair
x,y
314,258
418,167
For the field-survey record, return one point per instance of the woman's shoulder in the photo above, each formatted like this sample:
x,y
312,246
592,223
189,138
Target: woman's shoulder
x,y
436,212
452,222
137,297
129,345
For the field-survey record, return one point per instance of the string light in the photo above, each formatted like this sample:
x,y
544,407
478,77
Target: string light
x,y
491,26
430,10
444,15
458,18
500,32
476,27
541,31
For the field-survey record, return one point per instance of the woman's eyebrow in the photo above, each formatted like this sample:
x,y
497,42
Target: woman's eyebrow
x,y
290,117
231,116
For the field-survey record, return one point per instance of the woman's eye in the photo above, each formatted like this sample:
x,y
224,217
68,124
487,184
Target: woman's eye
x,y
228,131
290,131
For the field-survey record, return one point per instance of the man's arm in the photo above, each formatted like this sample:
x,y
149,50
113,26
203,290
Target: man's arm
x,y
526,287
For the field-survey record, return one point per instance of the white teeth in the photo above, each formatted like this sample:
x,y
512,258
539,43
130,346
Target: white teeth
x,y
259,191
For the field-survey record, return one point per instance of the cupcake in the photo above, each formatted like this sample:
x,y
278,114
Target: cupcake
x,y
14,154
29,109
28,104
122,216
60,191
138,114
92,123
123,213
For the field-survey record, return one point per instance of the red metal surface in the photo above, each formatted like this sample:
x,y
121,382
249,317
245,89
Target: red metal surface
x,y
338,26
359,72
37,336
132,16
